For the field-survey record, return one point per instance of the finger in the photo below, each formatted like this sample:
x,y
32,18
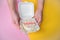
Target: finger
x,y
17,26
39,20
16,23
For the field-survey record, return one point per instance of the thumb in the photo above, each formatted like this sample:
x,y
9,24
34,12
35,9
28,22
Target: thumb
x,y
17,25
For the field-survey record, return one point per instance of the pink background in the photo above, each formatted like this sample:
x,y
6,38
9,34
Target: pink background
x,y
7,30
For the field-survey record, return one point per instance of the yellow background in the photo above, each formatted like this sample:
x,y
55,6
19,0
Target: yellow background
x,y
50,26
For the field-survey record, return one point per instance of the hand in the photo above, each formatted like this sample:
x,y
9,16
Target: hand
x,y
37,16
38,13
16,19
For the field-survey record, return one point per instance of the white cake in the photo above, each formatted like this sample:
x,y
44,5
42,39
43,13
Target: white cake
x,y
27,22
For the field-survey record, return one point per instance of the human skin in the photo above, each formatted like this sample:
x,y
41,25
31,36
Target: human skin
x,y
15,15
